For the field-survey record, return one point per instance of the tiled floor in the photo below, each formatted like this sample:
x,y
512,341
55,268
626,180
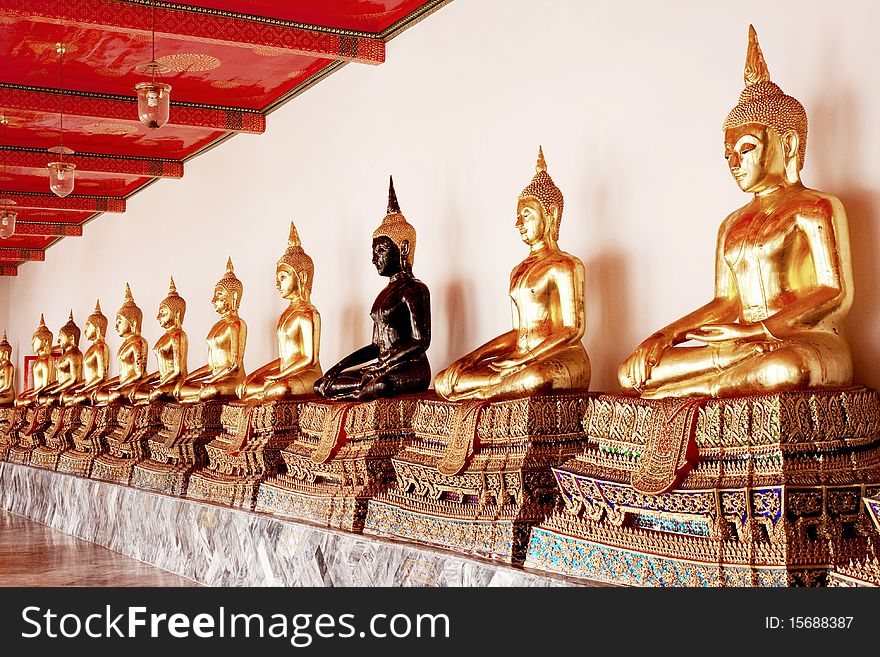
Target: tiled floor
x,y
32,554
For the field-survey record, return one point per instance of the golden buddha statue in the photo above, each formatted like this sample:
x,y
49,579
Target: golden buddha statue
x,y
783,282
543,353
68,366
44,366
170,350
131,357
95,362
396,361
226,342
7,373
298,332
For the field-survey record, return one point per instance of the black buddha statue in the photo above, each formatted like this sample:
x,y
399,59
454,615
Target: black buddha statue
x,y
396,362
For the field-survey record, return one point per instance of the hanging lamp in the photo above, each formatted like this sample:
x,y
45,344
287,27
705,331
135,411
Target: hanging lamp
x,y
153,98
61,173
7,214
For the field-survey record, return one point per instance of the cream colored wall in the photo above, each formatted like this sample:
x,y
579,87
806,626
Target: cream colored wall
x,y
627,99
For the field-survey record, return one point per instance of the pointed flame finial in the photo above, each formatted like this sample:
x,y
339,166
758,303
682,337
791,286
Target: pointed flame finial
x,y
4,336
293,237
756,67
542,163
42,321
97,306
128,294
393,205
229,269
172,289
70,316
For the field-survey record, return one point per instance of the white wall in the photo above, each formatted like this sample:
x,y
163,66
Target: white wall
x,y
627,99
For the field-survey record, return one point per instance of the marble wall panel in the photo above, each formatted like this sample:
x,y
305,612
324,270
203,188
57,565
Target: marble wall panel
x,y
221,546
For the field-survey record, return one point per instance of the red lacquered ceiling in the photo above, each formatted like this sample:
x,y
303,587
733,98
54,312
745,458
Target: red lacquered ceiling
x,y
230,63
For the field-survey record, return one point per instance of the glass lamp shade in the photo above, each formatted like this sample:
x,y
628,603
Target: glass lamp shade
x,y
61,178
154,100
7,223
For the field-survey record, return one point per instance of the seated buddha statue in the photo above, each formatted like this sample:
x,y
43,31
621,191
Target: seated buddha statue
x,y
68,365
783,282
298,332
7,373
226,341
95,362
543,352
43,368
170,350
131,358
395,362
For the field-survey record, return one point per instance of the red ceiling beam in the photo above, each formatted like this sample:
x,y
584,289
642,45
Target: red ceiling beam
x,y
18,255
207,27
46,229
8,271
72,203
121,108
137,166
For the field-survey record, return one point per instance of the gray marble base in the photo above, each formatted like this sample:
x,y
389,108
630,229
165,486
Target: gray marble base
x,y
222,546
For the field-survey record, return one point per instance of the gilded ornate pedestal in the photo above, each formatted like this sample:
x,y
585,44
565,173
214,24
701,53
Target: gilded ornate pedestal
x,y
246,453
96,422
866,571
178,449
127,443
497,458
12,422
58,437
754,491
340,459
37,420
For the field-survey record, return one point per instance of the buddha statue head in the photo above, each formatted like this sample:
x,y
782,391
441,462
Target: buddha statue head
x,y
5,350
129,317
227,291
765,134
96,324
394,241
295,270
171,309
68,335
42,339
539,208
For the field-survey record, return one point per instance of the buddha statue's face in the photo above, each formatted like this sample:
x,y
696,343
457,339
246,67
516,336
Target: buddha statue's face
x,y
4,357
64,340
90,331
755,156
530,220
38,344
166,318
223,300
123,326
386,256
287,282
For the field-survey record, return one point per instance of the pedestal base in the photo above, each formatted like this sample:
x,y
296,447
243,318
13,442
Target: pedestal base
x,y
178,449
11,421
770,496
127,443
88,440
505,486
57,438
36,420
331,484
246,453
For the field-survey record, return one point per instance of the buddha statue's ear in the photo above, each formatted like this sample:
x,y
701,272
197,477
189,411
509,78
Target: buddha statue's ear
x,y
790,149
404,252
303,277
